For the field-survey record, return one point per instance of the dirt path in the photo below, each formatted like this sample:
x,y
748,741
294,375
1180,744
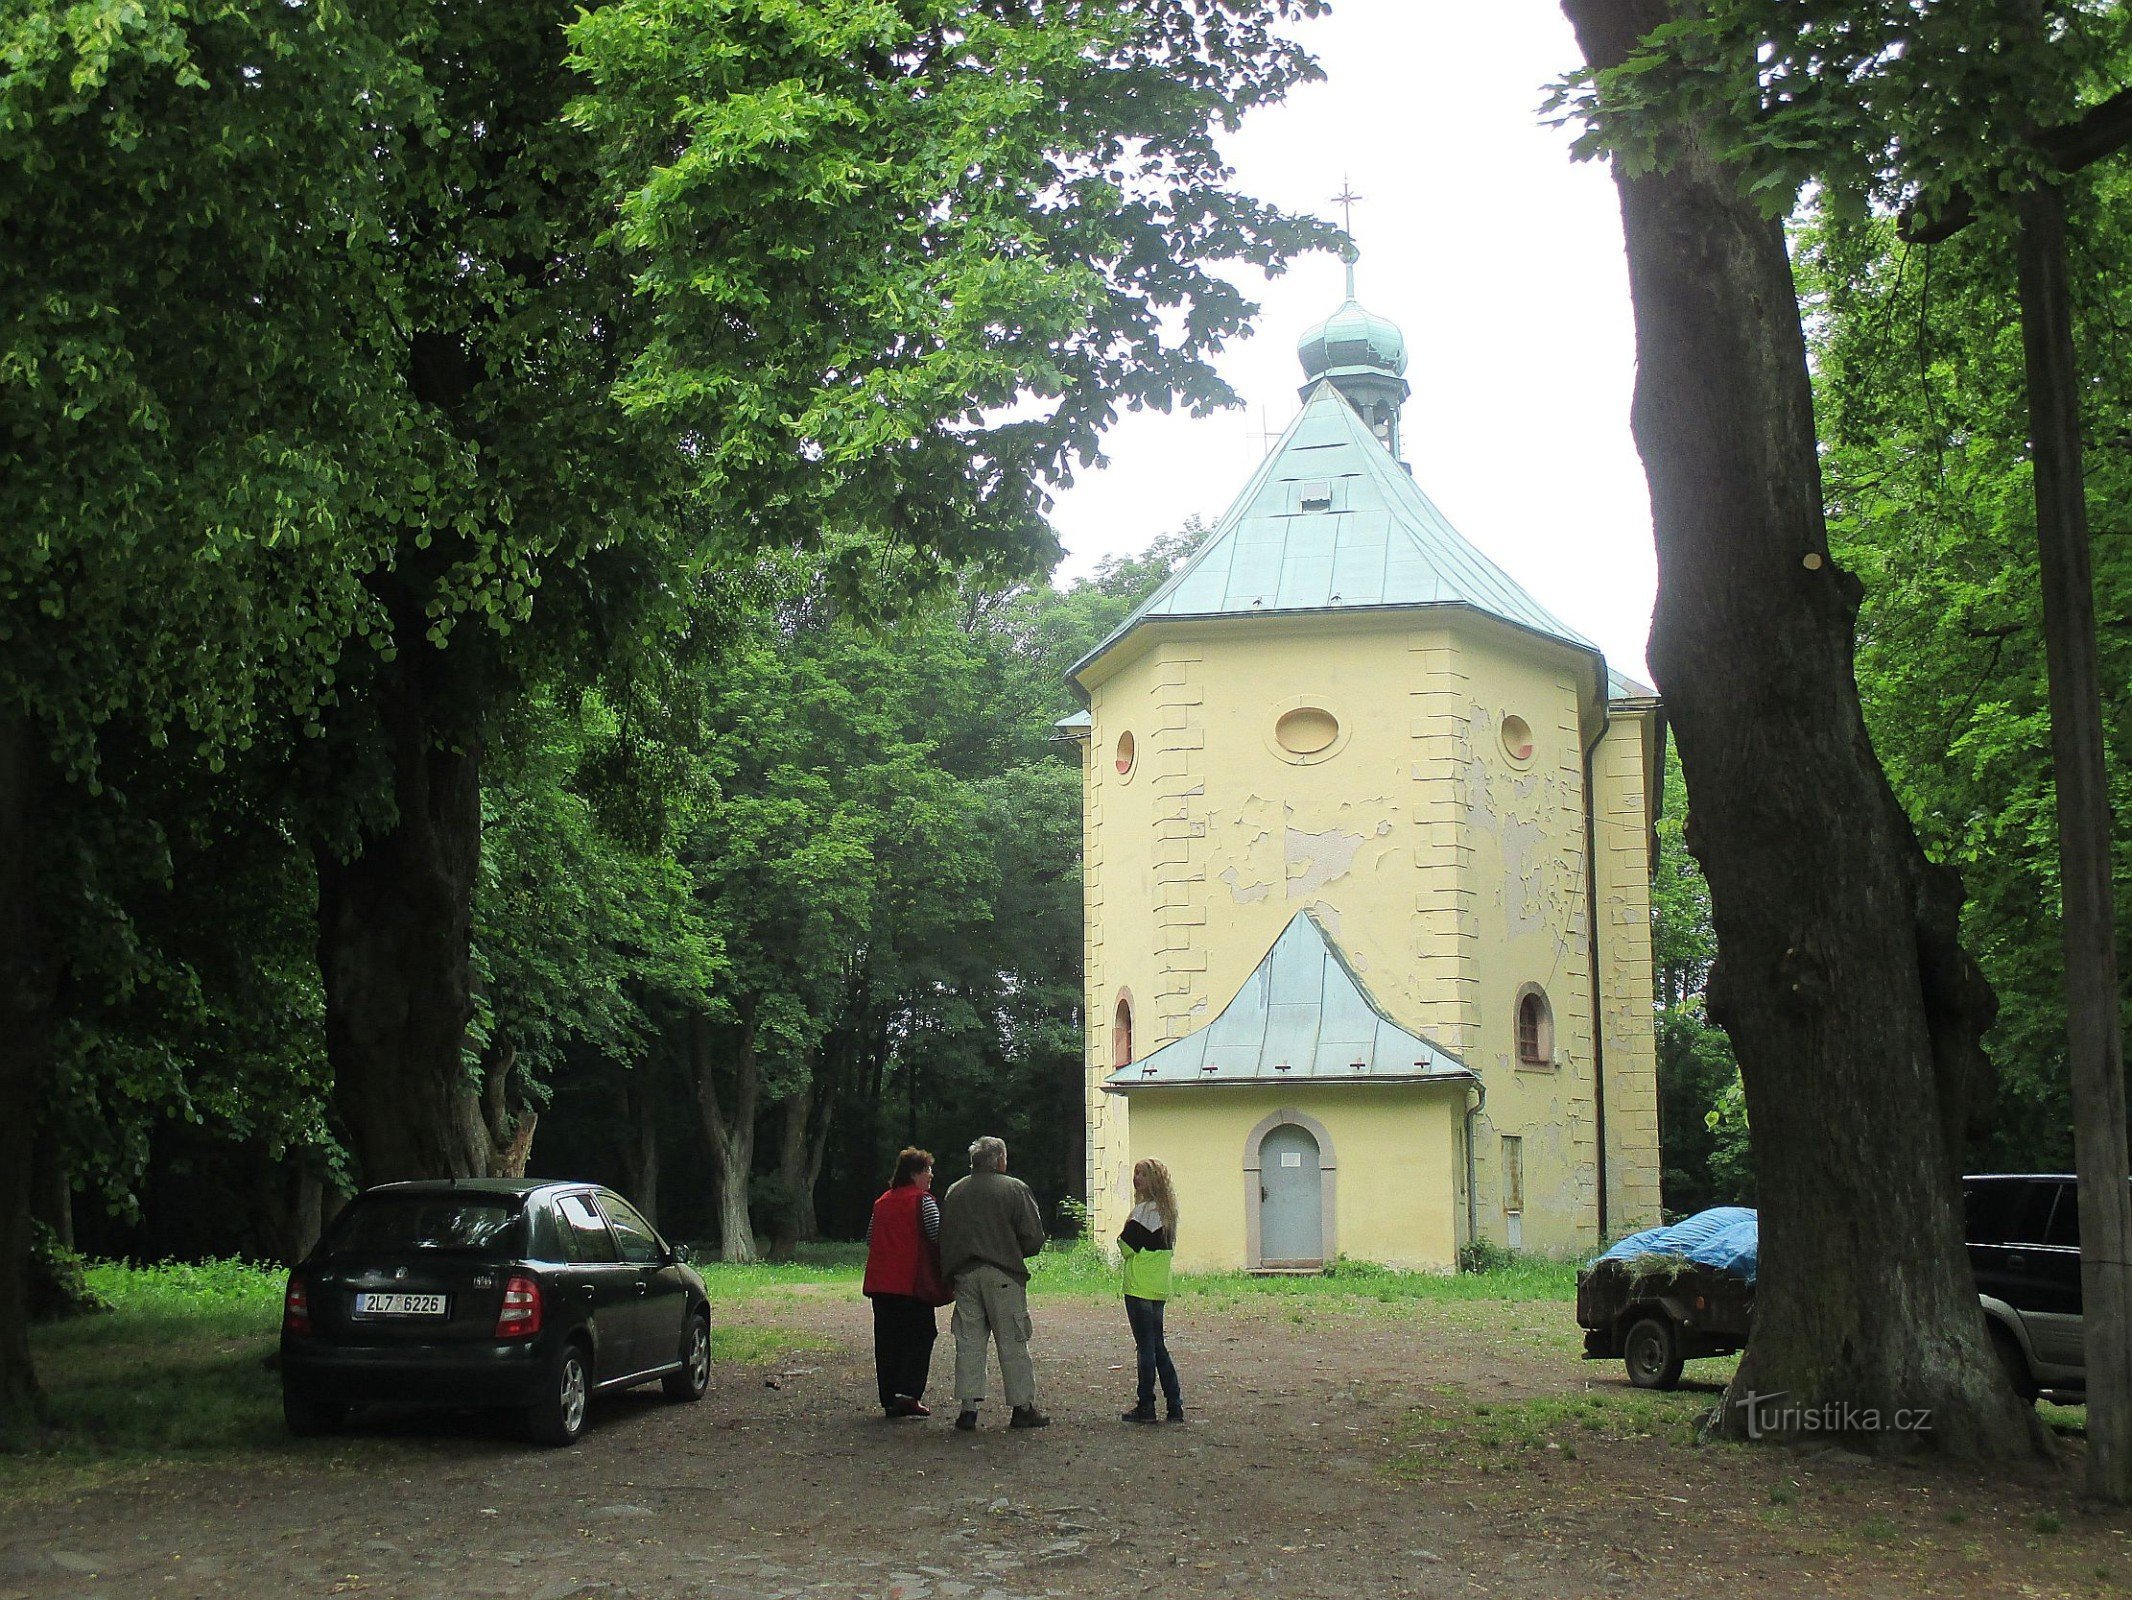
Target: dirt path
x,y
1421,1449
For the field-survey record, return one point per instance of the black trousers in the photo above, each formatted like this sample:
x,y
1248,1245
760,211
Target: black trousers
x,y
903,1346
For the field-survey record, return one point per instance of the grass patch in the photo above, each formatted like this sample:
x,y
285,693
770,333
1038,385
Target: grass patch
x,y
176,1369
1080,1268
753,1347
1490,1434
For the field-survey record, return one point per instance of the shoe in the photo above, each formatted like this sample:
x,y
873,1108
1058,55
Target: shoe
x,y
967,1422
1174,1416
905,1406
1140,1414
1028,1417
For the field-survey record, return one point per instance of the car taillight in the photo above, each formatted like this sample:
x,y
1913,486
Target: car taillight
x,y
520,1316
296,1307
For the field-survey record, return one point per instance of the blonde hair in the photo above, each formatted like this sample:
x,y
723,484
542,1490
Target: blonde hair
x,y
1151,1179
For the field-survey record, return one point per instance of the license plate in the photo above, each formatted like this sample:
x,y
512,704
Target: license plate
x,y
401,1305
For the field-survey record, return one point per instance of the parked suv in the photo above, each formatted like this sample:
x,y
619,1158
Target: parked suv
x,y
519,1295
2023,1231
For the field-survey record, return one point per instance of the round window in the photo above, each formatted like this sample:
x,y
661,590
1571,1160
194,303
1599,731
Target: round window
x,y
1126,753
1517,738
1306,731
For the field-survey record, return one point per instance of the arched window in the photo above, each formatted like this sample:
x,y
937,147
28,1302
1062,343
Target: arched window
x,y
1121,1031
1536,1028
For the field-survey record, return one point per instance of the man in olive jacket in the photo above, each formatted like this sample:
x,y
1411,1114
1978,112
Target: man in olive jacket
x,y
989,1227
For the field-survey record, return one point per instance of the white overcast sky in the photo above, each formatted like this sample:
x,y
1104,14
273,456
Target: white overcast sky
x,y
1502,262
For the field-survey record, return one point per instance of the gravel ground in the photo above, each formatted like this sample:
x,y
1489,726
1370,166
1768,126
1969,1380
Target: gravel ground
x,y
1335,1450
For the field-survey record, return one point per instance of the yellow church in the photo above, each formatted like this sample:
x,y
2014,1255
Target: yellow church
x,y
1367,849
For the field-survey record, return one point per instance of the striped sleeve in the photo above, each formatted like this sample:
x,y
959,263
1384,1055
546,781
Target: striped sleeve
x,y
929,1218
1137,1235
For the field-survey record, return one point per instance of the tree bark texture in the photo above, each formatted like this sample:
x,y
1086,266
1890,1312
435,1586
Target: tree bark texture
x,y
1852,1008
730,1132
804,1121
394,943
28,994
640,1115
2094,1036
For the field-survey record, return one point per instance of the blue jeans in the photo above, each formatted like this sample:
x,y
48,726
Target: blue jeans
x,y
1145,1316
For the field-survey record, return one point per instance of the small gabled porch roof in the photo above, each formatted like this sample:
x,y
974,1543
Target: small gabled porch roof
x,y
1302,1016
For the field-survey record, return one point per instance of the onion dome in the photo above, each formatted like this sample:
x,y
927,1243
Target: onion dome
x,y
1350,342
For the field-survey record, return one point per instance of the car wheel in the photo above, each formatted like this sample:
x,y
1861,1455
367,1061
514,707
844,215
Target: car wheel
x,y
695,1375
558,1417
2008,1349
307,1416
1652,1354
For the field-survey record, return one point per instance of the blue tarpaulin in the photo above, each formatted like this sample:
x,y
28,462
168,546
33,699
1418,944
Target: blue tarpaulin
x,y
1725,1237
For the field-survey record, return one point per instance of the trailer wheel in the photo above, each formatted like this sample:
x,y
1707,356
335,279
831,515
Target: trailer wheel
x,y
1651,1352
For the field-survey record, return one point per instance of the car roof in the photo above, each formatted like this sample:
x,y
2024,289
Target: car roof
x,y
2019,1177
501,1188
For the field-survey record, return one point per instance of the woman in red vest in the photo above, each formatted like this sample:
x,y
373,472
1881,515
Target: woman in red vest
x,y
904,1283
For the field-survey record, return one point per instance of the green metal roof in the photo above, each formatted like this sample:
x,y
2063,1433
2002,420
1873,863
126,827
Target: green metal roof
x,y
1620,686
1302,1015
1330,522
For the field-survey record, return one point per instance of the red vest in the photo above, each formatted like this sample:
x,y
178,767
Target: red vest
x,y
899,1258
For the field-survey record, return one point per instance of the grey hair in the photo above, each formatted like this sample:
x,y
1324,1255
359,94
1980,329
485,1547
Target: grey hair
x,y
988,1155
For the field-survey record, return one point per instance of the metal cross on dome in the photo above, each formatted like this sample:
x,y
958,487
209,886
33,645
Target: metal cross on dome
x,y
1347,200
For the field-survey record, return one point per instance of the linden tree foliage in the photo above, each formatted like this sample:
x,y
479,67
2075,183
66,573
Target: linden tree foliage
x,y
195,362
906,258
1919,365
1924,104
584,922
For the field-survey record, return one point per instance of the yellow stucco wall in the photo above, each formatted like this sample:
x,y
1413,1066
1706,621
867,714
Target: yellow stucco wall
x,y
1451,875
1394,1150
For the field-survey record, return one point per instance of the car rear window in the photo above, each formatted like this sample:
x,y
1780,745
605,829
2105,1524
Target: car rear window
x,y
426,1222
2007,1210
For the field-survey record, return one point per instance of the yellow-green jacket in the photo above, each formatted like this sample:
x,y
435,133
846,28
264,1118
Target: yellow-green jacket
x,y
1145,1244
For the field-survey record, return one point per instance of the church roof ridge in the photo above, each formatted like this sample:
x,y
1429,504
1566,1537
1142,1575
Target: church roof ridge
x,y
1331,522
1304,1014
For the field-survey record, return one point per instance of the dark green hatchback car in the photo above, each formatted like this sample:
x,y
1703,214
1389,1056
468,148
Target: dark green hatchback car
x,y
526,1296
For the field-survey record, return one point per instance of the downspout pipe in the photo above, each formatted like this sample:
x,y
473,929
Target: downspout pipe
x,y
1473,1201
1591,927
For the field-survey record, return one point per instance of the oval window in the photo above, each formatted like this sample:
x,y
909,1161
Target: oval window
x,y
1126,752
1517,738
1306,731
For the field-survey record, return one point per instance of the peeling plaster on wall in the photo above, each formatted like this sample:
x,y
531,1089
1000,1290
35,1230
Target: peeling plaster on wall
x,y
1244,894
1384,827
1524,877
1316,859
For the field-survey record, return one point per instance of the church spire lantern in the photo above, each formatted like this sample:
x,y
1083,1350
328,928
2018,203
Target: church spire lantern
x,y
1361,354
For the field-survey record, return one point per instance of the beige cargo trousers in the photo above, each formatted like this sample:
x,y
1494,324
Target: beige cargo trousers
x,y
989,1303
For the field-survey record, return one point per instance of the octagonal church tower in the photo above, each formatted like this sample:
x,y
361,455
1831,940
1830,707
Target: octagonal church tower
x,y
1367,848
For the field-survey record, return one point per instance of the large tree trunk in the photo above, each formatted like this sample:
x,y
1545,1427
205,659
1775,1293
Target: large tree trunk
x,y
640,1114
804,1121
27,996
731,1135
394,940
495,1132
2094,1037
1853,1011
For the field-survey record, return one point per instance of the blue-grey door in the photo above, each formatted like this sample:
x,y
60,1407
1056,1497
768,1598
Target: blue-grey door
x,y
1291,1208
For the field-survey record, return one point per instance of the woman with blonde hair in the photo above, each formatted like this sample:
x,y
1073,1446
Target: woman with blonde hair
x,y
1149,1236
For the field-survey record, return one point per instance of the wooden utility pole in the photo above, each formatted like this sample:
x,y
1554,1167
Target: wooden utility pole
x,y
2094,1037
